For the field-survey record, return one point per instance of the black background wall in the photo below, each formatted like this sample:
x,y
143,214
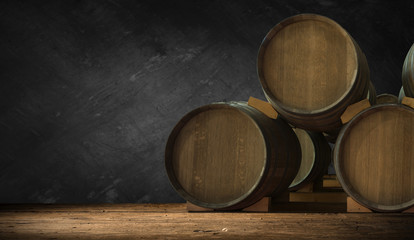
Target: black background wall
x,y
90,90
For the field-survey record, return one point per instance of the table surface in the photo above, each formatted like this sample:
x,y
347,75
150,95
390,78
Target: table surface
x,y
172,221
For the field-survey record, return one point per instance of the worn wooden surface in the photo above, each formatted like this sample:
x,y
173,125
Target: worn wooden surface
x,y
331,181
172,221
408,101
263,106
327,197
262,205
354,109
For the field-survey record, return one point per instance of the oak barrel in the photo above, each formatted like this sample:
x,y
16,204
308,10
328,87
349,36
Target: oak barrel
x,y
229,155
316,157
374,157
401,95
386,98
408,73
332,134
311,69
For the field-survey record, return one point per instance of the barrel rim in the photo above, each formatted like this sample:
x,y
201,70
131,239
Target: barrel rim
x,y
274,31
169,151
337,164
386,95
407,79
401,94
295,184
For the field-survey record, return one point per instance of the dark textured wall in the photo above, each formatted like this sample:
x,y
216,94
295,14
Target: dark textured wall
x,y
90,90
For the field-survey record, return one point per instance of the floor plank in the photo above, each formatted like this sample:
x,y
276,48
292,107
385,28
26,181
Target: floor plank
x,y
172,221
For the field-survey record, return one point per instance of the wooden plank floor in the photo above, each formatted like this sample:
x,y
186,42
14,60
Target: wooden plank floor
x,y
172,221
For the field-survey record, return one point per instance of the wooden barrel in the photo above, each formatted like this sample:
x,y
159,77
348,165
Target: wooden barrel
x,y
401,95
374,157
229,155
408,73
372,94
316,157
386,98
311,69
332,134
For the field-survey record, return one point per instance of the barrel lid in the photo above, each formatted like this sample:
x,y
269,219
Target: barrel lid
x,y
374,157
307,64
216,155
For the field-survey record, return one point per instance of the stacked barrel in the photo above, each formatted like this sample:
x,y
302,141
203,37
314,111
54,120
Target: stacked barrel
x,y
230,155
374,153
311,69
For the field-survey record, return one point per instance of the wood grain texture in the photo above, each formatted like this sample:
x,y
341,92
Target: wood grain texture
x,y
353,206
263,106
408,73
310,68
322,197
371,99
215,147
300,63
331,181
230,155
316,156
354,109
374,156
263,205
172,221
408,101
